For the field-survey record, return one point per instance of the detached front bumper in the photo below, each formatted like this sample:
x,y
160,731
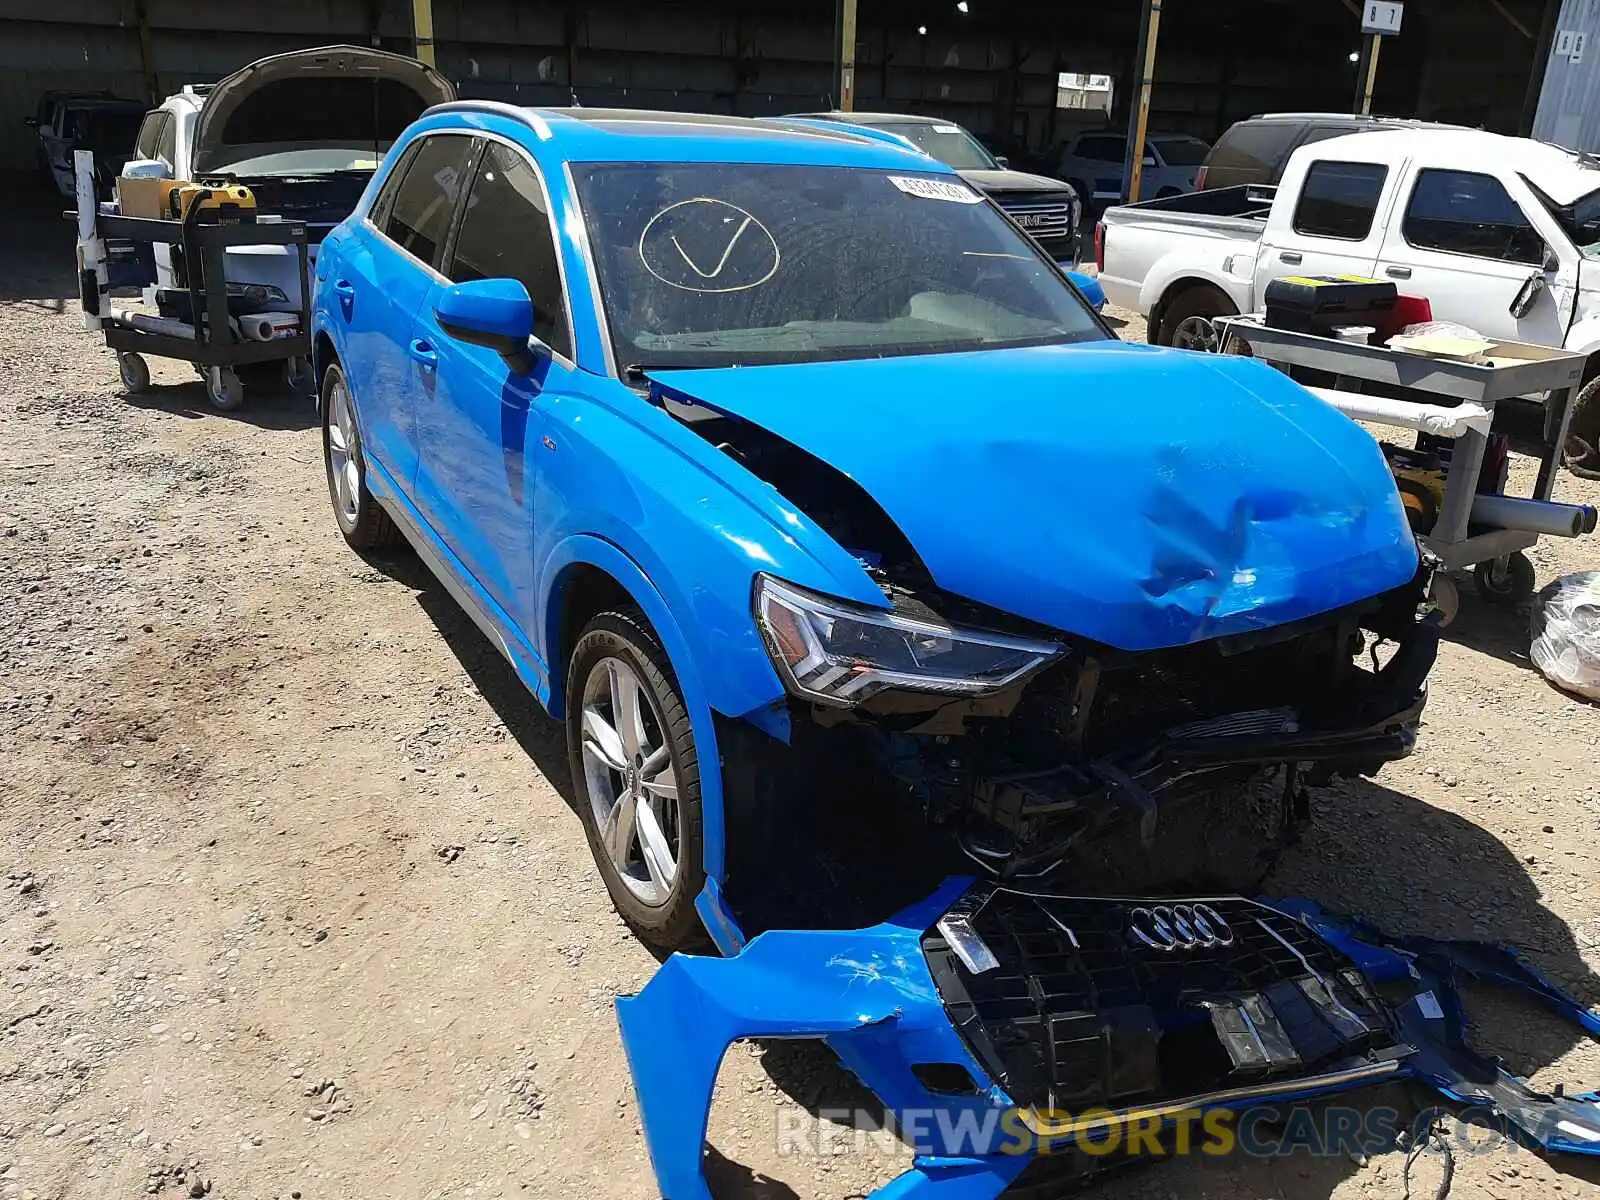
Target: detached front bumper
x,y
991,1021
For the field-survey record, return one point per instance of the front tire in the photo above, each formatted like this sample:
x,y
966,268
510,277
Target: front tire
x,y
636,775
361,519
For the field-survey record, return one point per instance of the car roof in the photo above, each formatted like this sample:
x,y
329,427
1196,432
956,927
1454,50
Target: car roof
x,y
642,135
869,118
1563,175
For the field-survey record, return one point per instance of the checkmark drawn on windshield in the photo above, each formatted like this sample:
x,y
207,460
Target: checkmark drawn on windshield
x,y
726,254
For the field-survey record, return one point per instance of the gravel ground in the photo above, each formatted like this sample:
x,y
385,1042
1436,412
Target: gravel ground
x,y
293,903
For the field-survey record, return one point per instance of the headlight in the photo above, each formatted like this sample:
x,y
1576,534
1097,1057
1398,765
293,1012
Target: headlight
x,y
840,653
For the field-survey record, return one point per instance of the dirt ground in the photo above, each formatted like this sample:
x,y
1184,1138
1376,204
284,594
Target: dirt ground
x,y
291,895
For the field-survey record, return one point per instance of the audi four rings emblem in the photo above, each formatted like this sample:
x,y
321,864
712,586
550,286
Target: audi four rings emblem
x,y
1180,927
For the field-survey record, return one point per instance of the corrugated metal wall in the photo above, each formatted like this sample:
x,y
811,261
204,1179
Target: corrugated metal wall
x,y
1219,60
1569,103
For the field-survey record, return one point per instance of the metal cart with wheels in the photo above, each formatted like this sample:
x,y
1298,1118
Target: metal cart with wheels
x,y
1488,533
210,337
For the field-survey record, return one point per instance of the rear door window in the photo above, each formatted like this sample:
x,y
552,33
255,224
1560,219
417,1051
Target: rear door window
x,y
1250,152
1102,149
419,217
379,216
1463,212
1339,200
505,234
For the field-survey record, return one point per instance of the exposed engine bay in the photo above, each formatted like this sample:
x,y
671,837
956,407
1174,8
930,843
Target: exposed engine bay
x,y
1096,747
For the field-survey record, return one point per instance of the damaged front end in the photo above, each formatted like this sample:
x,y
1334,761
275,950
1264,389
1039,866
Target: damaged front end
x,y
1001,1027
1024,745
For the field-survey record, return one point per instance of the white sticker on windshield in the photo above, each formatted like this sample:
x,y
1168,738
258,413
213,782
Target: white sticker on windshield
x,y
947,129
936,189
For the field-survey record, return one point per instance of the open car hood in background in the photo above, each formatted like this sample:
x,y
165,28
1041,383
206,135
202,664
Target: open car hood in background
x,y
327,94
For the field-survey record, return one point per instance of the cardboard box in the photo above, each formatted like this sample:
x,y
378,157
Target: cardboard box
x,y
146,197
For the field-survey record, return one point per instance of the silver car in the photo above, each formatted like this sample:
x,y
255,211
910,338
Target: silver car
x,y
1092,163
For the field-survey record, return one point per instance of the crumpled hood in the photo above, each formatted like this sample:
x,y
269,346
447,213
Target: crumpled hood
x,y
1138,496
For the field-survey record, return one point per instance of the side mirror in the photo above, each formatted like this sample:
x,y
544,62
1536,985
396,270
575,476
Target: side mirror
x,y
1002,162
1149,160
496,313
1528,295
146,168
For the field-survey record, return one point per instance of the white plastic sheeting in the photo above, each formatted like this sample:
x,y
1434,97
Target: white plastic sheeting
x,y
1566,633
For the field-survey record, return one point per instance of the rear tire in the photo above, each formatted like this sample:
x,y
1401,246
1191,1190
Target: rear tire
x,y
1186,320
632,754
361,518
1581,453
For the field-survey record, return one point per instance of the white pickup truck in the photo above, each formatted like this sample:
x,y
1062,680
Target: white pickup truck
x,y
1501,234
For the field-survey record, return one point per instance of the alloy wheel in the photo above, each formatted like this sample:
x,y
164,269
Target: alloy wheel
x,y
1196,333
631,780
344,449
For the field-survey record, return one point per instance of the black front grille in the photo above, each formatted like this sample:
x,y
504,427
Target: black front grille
x,y
1046,217
1078,1012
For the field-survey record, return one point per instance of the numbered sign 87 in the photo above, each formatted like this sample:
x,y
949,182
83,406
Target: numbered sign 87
x,y
1381,16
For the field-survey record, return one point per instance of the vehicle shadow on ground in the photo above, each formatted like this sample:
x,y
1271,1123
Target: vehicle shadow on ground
x,y
541,737
1490,629
729,1180
267,405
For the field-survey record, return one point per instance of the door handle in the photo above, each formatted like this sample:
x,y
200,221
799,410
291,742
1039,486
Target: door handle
x,y
425,354
1398,272
346,291
1292,257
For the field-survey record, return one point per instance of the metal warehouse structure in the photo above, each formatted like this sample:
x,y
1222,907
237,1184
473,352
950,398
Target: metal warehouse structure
x,y
993,67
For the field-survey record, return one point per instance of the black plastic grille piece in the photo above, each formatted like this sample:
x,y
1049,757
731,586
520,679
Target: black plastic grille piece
x,y
1079,1012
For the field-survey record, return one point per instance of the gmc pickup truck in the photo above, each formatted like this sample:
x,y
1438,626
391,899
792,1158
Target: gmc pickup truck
x,y
1500,234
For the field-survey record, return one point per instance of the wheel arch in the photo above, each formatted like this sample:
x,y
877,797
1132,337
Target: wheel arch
x,y
1177,289
586,574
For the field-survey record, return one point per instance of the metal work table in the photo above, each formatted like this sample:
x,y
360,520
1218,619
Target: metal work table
x,y
1546,376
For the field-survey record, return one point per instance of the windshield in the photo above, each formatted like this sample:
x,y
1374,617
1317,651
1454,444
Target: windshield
x,y
950,144
728,264
1181,152
1579,220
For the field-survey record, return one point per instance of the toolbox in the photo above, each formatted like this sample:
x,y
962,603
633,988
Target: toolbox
x,y
1318,304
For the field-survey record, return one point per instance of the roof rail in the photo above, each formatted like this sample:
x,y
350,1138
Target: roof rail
x,y
499,108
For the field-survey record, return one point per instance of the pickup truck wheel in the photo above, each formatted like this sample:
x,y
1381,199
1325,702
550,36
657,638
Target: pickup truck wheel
x,y
1186,321
362,521
636,772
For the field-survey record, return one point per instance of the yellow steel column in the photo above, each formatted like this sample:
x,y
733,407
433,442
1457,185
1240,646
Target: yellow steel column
x,y
422,29
847,55
1139,114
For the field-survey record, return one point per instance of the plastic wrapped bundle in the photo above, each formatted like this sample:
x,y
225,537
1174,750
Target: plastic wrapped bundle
x,y
1566,633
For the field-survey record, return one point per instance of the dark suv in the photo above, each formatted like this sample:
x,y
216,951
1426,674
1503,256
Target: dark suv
x,y
1256,150
1048,209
